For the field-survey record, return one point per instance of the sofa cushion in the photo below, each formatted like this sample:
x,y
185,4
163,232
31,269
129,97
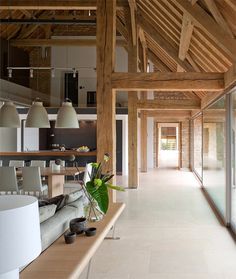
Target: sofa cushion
x,y
55,226
59,201
73,196
47,211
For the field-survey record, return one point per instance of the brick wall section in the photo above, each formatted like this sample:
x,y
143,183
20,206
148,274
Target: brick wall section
x,y
43,84
185,144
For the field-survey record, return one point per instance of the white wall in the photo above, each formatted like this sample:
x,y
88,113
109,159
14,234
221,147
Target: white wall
x,y
150,143
31,139
83,59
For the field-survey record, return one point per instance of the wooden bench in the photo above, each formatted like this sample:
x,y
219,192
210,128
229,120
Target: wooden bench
x,y
67,261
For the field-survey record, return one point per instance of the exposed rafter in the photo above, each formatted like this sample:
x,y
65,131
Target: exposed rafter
x,y
211,4
157,62
185,38
169,49
133,9
204,21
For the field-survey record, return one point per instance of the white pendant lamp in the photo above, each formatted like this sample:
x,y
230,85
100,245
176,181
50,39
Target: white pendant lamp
x,y
37,116
9,116
66,116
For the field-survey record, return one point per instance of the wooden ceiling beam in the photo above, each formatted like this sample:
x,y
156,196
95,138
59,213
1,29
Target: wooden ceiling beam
x,y
133,8
189,81
167,113
164,44
186,35
230,77
168,105
144,60
211,5
54,5
207,23
59,42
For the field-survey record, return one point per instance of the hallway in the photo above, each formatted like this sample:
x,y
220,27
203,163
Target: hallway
x,y
168,231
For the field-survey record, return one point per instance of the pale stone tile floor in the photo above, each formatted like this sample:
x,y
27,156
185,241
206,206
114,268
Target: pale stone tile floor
x,y
168,231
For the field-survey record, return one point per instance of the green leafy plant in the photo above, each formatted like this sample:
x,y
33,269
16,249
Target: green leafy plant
x,y
98,185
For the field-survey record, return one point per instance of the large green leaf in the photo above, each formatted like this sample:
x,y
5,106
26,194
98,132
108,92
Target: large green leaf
x,y
117,188
100,194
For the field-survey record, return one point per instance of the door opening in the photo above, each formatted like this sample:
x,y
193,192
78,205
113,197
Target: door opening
x,y
168,143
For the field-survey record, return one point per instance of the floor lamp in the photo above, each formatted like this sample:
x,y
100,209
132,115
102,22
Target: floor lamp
x,y
20,241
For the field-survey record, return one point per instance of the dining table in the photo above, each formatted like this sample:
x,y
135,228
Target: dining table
x,y
56,178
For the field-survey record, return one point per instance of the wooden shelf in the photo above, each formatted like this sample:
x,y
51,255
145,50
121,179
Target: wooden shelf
x,y
62,261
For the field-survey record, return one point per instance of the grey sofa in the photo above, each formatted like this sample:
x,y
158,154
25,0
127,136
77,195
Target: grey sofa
x,y
55,226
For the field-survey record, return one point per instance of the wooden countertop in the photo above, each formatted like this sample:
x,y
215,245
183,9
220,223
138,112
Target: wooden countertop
x,y
49,153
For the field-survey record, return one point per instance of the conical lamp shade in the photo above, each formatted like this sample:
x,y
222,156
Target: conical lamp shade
x,y
9,116
37,116
67,117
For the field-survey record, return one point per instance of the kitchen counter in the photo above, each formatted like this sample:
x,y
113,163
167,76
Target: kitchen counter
x,y
49,153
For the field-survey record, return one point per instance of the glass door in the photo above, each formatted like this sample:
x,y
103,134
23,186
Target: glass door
x,y
233,160
214,154
197,146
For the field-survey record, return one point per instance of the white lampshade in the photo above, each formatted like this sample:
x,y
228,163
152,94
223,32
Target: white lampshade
x,y
67,117
20,241
9,116
37,116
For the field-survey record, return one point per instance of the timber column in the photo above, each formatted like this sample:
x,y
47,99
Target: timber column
x,y
106,124
132,109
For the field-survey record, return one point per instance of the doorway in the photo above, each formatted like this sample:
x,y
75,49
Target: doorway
x,y
168,145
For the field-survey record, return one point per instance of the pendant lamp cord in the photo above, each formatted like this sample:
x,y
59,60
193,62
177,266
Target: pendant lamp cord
x,y
37,80
67,63
8,48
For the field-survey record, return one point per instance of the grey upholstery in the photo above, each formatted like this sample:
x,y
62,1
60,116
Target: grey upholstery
x,y
17,163
55,226
38,163
32,180
8,181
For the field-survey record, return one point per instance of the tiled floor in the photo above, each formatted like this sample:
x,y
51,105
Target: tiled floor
x,y
167,231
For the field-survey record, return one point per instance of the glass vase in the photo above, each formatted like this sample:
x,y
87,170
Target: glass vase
x,y
93,212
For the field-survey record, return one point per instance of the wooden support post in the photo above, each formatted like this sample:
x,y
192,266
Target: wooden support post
x,y
143,134
143,59
106,125
133,180
180,145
